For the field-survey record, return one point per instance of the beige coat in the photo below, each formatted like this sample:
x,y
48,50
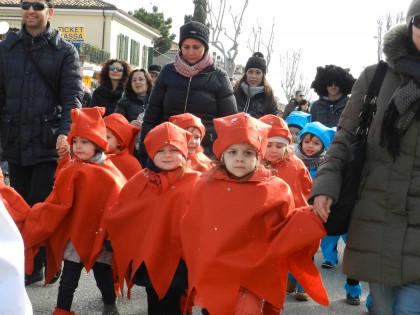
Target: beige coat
x,y
383,243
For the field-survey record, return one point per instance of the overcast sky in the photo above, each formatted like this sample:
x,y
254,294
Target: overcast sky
x,y
327,31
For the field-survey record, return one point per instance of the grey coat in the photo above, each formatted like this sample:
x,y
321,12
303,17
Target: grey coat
x,y
383,243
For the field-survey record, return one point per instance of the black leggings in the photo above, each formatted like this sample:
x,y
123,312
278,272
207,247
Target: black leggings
x,y
169,305
70,280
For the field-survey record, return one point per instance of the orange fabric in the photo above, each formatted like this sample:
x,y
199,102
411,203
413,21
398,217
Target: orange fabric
x,y
164,134
83,193
14,203
88,124
126,163
279,127
199,162
294,172
149,209
187,120
123,130
240,128
245,235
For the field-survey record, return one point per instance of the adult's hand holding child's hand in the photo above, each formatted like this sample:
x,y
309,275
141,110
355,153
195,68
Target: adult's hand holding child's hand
x,y
321,206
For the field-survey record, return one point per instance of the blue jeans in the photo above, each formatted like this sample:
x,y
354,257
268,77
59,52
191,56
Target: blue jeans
x,y
329,247
395,300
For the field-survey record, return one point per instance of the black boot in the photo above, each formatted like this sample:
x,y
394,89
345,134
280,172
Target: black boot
x,y
38,273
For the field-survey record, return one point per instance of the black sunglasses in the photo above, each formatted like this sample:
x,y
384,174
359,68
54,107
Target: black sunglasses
x,y
112,68
332,83
37,6
416,21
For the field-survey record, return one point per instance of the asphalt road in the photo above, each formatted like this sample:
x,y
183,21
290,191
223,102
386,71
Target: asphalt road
x,y
87,300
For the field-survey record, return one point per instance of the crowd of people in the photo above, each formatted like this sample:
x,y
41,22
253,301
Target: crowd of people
x,y
178,180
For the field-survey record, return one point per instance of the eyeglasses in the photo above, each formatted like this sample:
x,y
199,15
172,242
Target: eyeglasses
x,y
37,6
332,84
301,95
112,68
416,21
138,79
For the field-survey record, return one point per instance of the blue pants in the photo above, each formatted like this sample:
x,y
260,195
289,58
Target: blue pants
x,y
395,300
329,248
293,280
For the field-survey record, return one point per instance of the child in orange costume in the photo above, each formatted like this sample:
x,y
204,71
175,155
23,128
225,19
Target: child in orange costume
x,y
199,161
121,136
283,163
147,250
70,221
240,235
14,203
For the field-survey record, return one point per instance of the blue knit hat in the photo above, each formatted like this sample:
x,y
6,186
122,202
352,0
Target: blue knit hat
x,y
298,118
324,133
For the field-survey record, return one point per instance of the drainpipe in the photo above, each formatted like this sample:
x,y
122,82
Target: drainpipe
x,y
103,30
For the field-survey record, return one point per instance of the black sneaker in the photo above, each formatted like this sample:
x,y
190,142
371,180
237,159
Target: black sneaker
x,y
35,277
326,264
353,300
55,278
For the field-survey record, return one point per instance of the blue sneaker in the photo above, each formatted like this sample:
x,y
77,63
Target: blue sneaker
x,y
353,293
369,303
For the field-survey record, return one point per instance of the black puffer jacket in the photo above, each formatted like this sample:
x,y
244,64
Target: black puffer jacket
x,y
257,106
328,112
29,127
207,95
104,96
130,107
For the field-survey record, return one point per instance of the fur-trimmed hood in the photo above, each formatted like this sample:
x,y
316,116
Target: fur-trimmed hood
x,y
395,44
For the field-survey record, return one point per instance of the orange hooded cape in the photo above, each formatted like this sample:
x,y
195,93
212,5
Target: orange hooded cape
x,y
83,193
14,203
149,209
244,234
294,172
126,163
199,162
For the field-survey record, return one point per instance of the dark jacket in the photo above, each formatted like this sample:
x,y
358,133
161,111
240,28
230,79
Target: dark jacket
x,y
104,96
130,107
29,127
207,95
290,107
258,106
328,112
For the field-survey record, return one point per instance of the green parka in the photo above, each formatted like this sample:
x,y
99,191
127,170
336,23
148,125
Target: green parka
x,y
383,242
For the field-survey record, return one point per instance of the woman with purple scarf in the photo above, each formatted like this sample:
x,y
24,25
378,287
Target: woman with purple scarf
x,y
191,84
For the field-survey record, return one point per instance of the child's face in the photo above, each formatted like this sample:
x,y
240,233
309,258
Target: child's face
x,y
194,143
295,134
275,151
83,149
240,159
311,144
168,158
113,144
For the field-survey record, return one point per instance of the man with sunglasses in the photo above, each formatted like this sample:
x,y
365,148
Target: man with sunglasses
x,y
40,82
333,85
293,103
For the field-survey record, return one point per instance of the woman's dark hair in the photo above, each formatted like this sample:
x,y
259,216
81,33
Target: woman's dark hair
x,y
129,92
268,90
104,75
302,103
